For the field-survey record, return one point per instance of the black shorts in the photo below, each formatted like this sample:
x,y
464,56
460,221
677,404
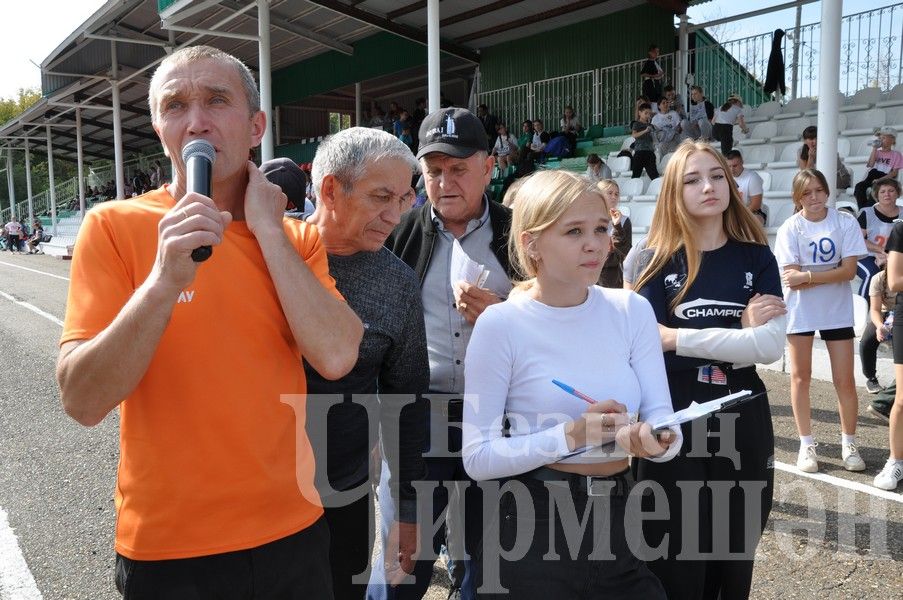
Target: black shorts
x,y
830,335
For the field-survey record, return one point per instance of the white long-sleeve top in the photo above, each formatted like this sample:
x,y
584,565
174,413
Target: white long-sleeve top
x,y
606,347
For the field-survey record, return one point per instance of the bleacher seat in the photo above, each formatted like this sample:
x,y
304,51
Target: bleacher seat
x,y
843,147
778,212
766,180
864,122
796,108
787,157
761,133
894,116
863,99
781,183
894,97
791,130
619,166
841,101
651,193
631,187
756,157
663,162
764,112
641,217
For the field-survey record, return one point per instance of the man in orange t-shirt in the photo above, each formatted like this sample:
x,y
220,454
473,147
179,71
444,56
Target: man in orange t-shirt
x,y
215,493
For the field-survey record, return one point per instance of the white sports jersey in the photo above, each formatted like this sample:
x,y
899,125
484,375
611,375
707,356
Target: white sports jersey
x,y
819,246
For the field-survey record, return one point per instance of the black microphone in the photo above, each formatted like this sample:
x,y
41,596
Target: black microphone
x,y
199,156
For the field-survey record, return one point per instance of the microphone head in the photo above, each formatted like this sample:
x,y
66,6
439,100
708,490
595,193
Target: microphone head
x,y
199,148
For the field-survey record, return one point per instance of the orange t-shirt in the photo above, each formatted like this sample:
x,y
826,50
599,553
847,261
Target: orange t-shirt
x,y
212,459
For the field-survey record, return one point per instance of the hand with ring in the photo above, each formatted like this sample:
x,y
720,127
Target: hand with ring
x,y
598,425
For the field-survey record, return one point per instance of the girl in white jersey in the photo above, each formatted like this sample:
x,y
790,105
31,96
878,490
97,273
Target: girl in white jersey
x,y
550,447
817,250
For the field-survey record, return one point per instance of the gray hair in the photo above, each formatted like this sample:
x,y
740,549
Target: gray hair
x,y
190,54
347,154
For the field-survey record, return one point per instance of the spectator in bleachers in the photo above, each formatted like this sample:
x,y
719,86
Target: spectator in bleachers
x,y
749,184
699,118
526,136
876,222
539,141
667,127
490,124
652,75
504,149
570,127
676,101
730,113
883,161
644,145
640,101
156,175
892,473
378,120
817,249
417,117
806,157
596,169
620,236
881,303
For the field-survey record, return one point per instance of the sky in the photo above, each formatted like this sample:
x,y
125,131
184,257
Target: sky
x,y
39,26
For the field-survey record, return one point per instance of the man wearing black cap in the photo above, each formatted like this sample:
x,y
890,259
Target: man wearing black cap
x,y
285,173
457,167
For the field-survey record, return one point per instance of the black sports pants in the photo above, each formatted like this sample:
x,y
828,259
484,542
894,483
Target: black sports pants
x,y
705,572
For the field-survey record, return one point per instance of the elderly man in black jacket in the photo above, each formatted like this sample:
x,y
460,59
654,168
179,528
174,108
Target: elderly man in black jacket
x,y
457,167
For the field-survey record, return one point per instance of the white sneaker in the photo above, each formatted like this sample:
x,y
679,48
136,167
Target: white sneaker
x,y
889,476
851,459
807,461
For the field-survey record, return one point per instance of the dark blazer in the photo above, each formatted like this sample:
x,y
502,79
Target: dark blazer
x,y
414,237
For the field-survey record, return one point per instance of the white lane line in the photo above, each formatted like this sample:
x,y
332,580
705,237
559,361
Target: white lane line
x,y
840,482
16,581
33,309
34,270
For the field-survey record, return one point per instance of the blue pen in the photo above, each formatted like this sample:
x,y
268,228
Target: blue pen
x,y
573,392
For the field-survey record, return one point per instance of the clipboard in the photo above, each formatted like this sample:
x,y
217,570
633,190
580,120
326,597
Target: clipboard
x,y
691,413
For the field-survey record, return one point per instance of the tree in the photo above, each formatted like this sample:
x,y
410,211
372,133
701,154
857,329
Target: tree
x,y
10,108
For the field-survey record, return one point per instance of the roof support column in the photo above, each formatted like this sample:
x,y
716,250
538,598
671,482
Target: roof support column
x,y
28,182
266,77
52,189
828,91
357,104
9,183
81,166
683,58
432,54
117,125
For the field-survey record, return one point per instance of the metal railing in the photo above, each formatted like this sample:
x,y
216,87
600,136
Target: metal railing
x,y
605,95
871,51
871,56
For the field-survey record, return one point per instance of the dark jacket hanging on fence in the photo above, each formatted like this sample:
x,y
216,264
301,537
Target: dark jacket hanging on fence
x,y
774,77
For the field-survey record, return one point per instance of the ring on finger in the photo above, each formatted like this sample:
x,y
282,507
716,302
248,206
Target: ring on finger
x,y
602,420
462,306
184,213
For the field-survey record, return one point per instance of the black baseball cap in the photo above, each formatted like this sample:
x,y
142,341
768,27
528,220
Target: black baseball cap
x,y
453,131
285,173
